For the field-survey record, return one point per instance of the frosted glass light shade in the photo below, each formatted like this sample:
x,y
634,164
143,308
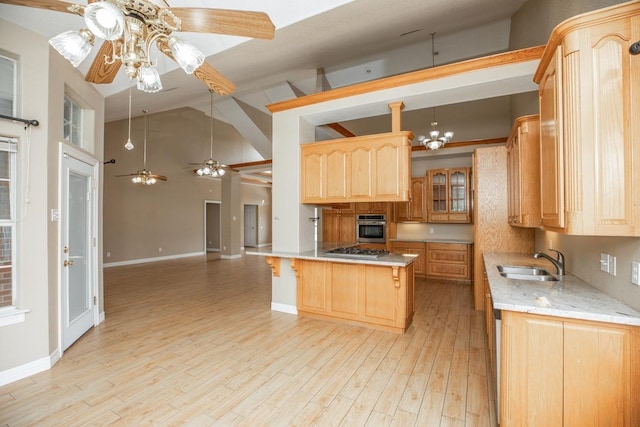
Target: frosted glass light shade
x,y
186,55
73,45
149,79
105,20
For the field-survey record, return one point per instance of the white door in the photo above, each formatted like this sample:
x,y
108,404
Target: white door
x,y
77,216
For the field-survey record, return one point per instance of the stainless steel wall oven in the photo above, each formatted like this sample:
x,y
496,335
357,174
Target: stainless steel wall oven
x,y
371,228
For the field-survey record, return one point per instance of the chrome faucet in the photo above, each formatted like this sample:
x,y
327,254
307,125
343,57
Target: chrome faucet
x,y
558,262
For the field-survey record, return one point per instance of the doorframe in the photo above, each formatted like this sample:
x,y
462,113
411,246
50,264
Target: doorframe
x,y
65,149
204,237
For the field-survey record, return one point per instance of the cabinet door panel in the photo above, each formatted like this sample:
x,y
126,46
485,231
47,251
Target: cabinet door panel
x,y
312,181
361,173
344,289
336,172
380,295
388,161
551,149
531,371
600,397
312,288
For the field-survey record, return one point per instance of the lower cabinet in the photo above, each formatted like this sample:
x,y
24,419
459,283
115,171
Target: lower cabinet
x,y
449,261
565,372
417,248
373,295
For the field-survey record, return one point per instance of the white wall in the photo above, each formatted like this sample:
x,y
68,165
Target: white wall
x,y
34,343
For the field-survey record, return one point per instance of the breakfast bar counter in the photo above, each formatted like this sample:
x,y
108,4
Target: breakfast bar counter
x,y
371,290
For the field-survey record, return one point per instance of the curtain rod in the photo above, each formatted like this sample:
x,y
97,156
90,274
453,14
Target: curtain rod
x,y
25,121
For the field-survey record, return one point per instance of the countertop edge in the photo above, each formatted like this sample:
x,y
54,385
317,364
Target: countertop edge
x,y
569,297
396,261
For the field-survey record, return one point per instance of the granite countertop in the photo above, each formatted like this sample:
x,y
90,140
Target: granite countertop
x,y
319,254
434,240
568,297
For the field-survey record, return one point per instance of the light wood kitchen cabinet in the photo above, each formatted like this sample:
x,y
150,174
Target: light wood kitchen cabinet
x,y
565,372
372,207
589,89
372,168
448,195
338,225
377,296
415,209
449,261
417,248
523,172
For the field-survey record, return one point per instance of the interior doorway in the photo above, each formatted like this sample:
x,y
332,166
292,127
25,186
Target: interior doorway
x,y
250,226
212,226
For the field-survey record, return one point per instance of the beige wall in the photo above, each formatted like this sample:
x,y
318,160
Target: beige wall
x,y
34,343
167,219
532,25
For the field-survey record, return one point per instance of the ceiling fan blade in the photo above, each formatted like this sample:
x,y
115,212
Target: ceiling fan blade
x,y
129,174
55,5
160,177
100,71
205,73
214,80
222,21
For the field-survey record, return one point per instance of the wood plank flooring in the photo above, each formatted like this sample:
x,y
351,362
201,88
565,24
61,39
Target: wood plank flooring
x,y
193,342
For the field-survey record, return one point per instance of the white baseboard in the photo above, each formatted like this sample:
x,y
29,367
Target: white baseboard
x,y
101,317
213,249
264,244
231,256
155,259
28,369
284,308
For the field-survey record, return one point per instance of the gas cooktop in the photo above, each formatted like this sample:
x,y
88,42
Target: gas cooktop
x,y
354,252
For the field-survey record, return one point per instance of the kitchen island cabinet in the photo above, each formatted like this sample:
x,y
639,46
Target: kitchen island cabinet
x,y
372,295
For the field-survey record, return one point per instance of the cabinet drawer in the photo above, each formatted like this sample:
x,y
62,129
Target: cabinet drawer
x,y
448,257
448,246
438,217
457,271
412,245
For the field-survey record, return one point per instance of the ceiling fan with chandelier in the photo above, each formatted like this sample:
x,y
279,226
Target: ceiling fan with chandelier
x,y
130,28
143,176
210,168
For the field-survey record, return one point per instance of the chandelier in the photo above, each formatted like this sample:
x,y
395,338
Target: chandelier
x,y
434,140
132,26
210,167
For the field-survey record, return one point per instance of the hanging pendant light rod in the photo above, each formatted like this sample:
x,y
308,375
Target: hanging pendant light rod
x,y
129,145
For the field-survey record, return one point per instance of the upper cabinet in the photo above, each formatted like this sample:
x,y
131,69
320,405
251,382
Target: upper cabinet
x,y
448,195
523,172
414,209
589,86
372,168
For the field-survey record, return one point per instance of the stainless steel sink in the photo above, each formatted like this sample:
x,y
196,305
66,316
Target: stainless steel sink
x,y
526,273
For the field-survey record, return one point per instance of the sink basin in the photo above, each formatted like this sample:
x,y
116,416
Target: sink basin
x,y
525,273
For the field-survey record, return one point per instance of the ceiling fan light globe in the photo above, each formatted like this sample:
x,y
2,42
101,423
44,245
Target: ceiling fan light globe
x,y
199,172
151,181
221,172
434,134
186,55
434,145
104,19
149,79
448,135
73,45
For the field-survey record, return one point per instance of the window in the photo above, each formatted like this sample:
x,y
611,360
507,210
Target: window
x,y
7,222
72,122
8,75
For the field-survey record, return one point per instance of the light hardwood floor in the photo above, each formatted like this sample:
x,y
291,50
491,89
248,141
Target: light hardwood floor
x,y
194,342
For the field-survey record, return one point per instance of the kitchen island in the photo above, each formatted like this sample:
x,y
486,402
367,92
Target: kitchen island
x,y
375,291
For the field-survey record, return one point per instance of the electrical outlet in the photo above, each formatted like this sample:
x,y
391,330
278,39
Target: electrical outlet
x,y
159,249
108,254
635,272
604,262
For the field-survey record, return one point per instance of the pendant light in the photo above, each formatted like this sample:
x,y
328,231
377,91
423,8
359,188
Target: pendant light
x,y
145,176
129,145
434,140
210,167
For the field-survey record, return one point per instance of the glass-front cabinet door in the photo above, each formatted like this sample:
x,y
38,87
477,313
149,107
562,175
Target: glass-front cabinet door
x,y
448,199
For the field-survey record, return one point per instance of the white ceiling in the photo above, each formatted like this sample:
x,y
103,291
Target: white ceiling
x,y
310,35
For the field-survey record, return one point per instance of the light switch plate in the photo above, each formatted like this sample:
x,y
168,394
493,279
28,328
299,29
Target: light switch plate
x,y
604,262
635,272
